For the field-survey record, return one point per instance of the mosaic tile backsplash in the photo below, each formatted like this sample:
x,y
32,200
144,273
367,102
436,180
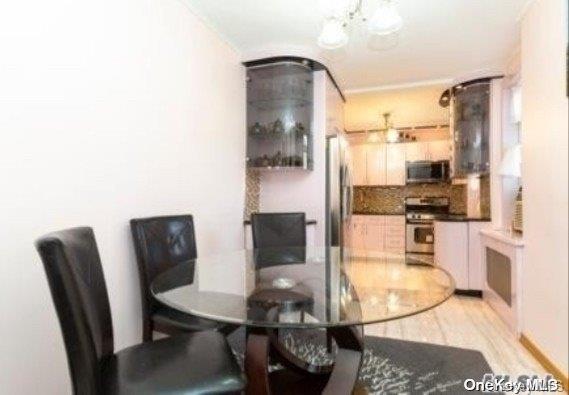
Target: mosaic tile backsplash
x,y
252,192
391,199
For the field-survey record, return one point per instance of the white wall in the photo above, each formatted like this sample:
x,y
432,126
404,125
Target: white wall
x,y
109,110
408,107
544,169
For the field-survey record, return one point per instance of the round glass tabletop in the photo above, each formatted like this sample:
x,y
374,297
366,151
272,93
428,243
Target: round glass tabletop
x,y
302,287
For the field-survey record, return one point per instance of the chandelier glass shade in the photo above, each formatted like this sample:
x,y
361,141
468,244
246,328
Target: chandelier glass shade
x,y
333,34
385,20
340,14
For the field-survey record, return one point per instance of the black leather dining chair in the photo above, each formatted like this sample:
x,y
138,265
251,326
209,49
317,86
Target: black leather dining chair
x,y
186,364
278,230
162,243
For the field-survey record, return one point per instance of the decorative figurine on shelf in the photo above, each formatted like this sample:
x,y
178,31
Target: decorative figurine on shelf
x,y
298,129
265,161
278,159
278,127
257,129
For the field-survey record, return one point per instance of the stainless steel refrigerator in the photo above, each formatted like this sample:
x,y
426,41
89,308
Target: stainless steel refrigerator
x,y
339,191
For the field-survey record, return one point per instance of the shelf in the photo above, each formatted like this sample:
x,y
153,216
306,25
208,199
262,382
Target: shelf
x,y
279,104
279,168
274,136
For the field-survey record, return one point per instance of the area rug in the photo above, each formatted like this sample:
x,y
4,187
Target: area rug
x,y
391,366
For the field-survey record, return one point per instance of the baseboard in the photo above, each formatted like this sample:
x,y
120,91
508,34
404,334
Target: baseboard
x,y
545,361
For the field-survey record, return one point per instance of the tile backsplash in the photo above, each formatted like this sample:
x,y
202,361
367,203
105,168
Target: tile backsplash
x,y
391,199
252,192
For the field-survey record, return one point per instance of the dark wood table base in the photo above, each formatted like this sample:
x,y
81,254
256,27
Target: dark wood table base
x,y
300,377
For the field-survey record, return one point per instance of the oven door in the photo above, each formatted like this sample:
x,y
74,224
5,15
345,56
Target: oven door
x,y
420,238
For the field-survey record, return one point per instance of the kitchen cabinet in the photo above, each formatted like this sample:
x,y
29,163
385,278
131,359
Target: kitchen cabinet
x,y
451,250
416,152
378,164
475,266
457,250
279,116
428,151
438,150
384,164
395,155
359,164
394,234
470,120
375,164
373,235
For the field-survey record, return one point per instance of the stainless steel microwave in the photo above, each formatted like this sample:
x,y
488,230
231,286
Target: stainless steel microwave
x,y
427,171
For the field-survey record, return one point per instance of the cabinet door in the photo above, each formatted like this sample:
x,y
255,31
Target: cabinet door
x,y
357,235
359,167
395,164
451,250
439,150
394,234
475,268
375,164
375,235
416,152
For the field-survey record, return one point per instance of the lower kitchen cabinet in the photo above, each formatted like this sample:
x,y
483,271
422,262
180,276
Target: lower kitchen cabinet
x,y
457,250
451,250
373,235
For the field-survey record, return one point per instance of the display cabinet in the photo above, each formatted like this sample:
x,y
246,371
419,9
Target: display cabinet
x,y
279,116
471,128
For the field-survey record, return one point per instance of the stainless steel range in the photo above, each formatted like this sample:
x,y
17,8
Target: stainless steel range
x,y
421,214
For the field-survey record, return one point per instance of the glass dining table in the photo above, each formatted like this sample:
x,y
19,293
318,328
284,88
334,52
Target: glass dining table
x,y
329,288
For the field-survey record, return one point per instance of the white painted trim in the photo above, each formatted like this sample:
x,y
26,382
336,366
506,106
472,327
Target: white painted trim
x,y
210,25
406,85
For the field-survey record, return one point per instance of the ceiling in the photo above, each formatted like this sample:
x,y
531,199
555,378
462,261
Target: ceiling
x,y
441,40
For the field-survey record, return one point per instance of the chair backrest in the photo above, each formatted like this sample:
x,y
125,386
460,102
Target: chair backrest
x,y
77,284
278,230
160,244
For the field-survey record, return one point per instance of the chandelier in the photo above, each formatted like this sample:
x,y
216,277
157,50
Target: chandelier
x,y
340,14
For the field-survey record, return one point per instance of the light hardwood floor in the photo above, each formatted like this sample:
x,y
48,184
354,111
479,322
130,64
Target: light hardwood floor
x,y
465,322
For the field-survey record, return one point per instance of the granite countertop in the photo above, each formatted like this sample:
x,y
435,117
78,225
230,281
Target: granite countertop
x,y
378,213
462,218
308,222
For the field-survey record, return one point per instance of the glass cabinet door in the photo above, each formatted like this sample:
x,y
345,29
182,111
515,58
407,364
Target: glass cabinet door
x,y
279,116
471,125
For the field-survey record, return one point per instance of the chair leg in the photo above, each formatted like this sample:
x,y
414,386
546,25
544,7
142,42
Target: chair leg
x,y
328,342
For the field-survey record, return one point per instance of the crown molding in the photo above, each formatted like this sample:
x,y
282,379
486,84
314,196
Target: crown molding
x,y
406,85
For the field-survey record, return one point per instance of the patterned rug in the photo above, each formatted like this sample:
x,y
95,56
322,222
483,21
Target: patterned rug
x,y
391,366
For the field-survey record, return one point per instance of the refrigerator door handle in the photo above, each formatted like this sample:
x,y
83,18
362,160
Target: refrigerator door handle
x,y
350,189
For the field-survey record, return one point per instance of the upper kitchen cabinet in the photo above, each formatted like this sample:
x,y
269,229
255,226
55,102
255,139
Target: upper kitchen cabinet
x,y
436,150
471,128
279,115
395,156
359,164
378,164
375,164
